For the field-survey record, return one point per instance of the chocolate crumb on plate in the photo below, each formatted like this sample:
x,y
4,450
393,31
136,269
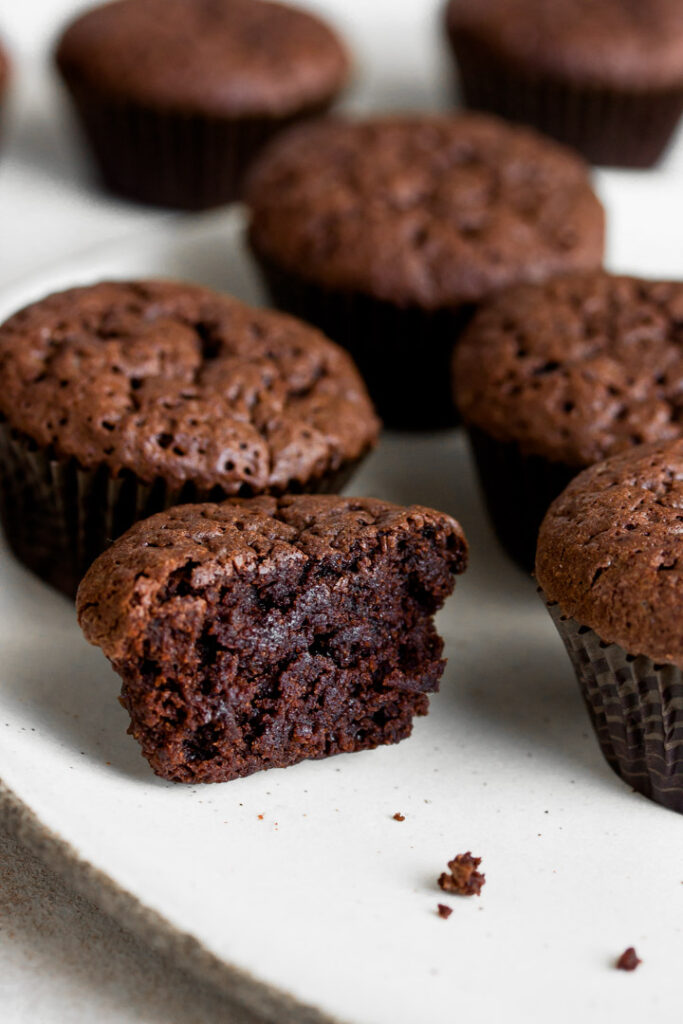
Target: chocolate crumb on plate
x,y
629,960
399,817
464,878
443,911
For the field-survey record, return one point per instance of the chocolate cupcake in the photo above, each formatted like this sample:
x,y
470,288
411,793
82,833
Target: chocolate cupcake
x,y
385,233
605,77
609,566
121,399
176,96
259,633
552,378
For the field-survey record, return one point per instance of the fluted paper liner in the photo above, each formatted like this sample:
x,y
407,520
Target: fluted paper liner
x,y
636,707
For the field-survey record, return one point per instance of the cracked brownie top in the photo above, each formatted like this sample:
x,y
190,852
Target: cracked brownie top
x,y
577,369
610,550
424,211
172,380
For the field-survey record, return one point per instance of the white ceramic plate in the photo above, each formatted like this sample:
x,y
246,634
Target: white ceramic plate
x,y
296,888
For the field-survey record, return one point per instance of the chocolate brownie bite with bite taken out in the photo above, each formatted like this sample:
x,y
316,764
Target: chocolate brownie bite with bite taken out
x,y
261,632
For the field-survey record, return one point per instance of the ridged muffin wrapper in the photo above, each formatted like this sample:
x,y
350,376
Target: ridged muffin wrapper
x,y
636,707
58,517
403,353
518,489
170,158
609,126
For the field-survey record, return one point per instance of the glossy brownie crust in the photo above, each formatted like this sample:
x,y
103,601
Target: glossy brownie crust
x,y
388,232
123,398
259,633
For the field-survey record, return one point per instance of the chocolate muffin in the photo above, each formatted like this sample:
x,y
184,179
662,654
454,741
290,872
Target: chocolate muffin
x,y
386,232
552,378
610,568
605,77
259,633
123,398
176,96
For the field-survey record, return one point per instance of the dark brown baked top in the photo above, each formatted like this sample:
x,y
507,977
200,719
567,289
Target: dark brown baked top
x,y
634,44
221,57
425,211
175,381
610,550
4,68
576,369
235,539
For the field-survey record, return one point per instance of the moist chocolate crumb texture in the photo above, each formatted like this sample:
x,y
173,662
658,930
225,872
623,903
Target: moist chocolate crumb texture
x,y
550,379
177,96
463,877
387,232
260,632
122,398
610,569
605,76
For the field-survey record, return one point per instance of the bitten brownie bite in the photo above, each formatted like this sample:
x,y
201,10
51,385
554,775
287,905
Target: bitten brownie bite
x,y
386,232
122,398
177,96
552,378
610,567
261,632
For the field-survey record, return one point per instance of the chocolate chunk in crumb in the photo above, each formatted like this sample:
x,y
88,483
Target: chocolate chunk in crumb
x,y
629,960
399,817
464,878
443,911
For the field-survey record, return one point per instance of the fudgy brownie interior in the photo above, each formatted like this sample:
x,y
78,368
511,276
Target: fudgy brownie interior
x,y
262,632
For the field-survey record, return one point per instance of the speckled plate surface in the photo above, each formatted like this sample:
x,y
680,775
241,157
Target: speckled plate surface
x,y
296,890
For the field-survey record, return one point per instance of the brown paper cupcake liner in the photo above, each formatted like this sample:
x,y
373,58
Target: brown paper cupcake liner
x,y
610,127
636,707
186,161
404,354
518,490
58,517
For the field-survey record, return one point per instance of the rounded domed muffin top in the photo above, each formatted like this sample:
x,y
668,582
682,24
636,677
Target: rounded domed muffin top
x,y
576,369
221,57
4,67
422,211
171,380
610,551
633,44
197,547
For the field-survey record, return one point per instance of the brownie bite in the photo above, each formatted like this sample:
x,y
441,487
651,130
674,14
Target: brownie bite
x,y
262,632
610,569
605,77
122,398
550,379
177,96
386,232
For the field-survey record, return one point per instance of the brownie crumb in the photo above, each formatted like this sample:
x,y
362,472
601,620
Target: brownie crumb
x,y
464,878
629,960
399,817
443,911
